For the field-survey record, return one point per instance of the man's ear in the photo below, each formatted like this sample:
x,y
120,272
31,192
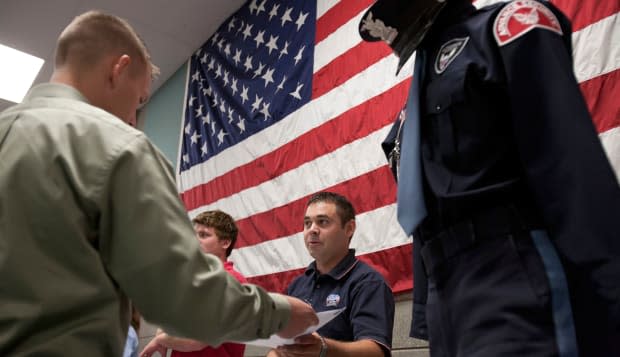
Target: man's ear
x,y
225,243
120,68
349,228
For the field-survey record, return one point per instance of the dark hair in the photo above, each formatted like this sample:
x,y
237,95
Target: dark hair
x,y
344,208
223,223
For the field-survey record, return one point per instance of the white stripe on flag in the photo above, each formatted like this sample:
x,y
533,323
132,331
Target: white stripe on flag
x,y
323,6
352,160
597,48
376,230
338,42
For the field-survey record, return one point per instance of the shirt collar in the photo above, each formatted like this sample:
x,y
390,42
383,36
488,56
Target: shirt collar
x,y
54,90
340,270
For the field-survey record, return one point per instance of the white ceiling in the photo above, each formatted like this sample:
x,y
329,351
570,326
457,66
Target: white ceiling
x,y
172,30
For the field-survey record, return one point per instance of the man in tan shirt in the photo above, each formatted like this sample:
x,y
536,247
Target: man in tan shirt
x,y
90,216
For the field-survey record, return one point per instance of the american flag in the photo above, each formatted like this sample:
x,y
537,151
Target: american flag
x,y
286,100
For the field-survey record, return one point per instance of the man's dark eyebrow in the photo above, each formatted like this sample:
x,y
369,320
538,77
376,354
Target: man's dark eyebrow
x,y
318,216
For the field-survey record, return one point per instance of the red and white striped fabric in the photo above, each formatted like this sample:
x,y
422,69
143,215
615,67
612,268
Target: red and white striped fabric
x,y
333,143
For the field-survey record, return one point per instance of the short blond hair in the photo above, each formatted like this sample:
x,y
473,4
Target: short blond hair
x,y
94,34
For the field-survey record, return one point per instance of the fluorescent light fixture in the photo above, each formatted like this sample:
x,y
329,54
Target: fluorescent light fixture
x,y
17,72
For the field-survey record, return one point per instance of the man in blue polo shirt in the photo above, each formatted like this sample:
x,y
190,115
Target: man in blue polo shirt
x,y
337,279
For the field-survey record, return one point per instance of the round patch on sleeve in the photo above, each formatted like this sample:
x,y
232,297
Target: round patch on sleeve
x,y
519,17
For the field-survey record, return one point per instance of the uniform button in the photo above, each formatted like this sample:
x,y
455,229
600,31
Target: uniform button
x,y
317,286
438,107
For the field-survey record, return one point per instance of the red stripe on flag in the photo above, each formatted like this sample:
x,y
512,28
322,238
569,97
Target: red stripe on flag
x,y
287,220
342,68
337,16
382,108
277,282
601,94
394,264
585,13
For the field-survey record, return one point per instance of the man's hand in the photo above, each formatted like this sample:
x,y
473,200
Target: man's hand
x,y
153,347
302,317
179,344
305,346
274,353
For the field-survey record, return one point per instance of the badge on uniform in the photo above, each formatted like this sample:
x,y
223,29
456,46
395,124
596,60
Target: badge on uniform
x,y
332,300
520,17
448,52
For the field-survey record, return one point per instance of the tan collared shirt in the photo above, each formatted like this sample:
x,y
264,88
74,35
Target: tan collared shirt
x,y
90,215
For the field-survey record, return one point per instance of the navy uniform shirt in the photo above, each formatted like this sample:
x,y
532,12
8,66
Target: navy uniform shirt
x,y
503,120
369,313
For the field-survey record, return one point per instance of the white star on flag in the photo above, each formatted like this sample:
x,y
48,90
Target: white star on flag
x,y
196,76
248,31
274,11
191,101
287,16
220,137
301,20
198,111
268,76
259,38
256,103
195,136
272,44
244,94
265,110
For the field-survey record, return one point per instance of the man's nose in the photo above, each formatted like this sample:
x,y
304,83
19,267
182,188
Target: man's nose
x,y
314,228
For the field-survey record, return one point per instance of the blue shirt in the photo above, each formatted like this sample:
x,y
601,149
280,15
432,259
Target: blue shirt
x,y
369,313
131,345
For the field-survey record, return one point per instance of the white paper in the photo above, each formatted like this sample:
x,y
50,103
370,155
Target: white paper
x,y
275,340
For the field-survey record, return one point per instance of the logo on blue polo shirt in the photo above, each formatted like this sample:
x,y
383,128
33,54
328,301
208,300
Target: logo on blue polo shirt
x,y
332,300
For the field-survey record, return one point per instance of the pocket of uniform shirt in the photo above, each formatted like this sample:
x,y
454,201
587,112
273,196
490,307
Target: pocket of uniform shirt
x,y
440,99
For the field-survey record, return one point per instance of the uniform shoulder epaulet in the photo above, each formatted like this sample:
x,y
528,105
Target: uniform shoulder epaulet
x,y
517,18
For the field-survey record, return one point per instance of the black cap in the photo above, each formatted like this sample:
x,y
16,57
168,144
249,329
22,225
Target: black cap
x,y
382,20
402,24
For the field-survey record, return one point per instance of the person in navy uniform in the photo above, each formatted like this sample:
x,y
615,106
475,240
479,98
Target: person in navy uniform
x,y
519,244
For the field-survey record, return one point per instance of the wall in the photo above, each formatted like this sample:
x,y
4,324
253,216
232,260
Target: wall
x,y
163,114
